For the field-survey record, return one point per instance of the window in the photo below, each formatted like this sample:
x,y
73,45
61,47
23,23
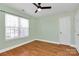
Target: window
x,y
16,27
24,25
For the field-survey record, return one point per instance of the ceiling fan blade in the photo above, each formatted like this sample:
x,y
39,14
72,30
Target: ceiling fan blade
x,y
36,11
49,7
36,5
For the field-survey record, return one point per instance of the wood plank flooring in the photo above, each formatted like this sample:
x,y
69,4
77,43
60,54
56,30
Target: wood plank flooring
x,y
40,48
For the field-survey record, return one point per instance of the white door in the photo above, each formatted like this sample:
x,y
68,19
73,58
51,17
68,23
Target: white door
x,y
77,30
65,29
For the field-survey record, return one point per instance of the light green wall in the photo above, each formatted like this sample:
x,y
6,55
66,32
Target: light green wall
x,y
48,27
33,28
9,43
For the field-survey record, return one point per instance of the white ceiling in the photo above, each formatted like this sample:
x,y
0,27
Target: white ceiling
x,y
56,8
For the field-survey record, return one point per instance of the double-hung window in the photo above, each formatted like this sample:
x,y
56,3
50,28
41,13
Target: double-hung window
x,y
16,27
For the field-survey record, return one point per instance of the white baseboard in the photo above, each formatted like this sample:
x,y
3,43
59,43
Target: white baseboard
x,y
58,43
53,42
9,48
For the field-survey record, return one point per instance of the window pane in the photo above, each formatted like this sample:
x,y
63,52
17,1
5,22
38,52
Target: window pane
x,y
24,22
8,33
24,27
11,23
11,20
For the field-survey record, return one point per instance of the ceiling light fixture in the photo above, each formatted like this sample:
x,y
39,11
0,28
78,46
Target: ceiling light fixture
x,y
39,9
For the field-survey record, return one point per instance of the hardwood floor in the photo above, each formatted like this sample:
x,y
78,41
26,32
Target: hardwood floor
x,y
40,48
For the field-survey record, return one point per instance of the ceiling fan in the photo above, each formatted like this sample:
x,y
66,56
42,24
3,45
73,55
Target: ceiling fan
x,y
39,7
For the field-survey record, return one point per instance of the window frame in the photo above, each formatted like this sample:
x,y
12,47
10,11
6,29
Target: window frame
x,y
18,37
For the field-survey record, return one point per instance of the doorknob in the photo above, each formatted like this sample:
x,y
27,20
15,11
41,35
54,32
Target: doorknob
x,y
77,34
60,32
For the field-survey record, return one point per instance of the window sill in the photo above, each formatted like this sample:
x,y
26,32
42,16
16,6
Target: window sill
x,y
16,38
